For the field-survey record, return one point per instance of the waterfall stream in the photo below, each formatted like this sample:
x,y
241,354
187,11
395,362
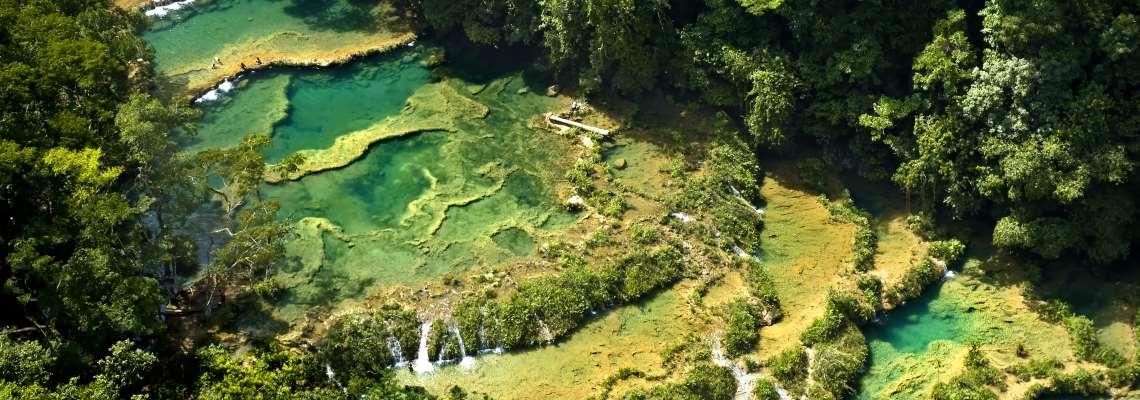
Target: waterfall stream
x,y
423,364
466,361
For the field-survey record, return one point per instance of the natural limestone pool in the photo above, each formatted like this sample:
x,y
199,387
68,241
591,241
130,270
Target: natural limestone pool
x,y
460,175
414,172
291,32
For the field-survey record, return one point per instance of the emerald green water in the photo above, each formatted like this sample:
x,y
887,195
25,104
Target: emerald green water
x,y
413,207
310,108
190,39
906,334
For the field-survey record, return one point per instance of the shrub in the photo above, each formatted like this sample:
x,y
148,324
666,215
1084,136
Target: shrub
x,y
789,366
913,282
824,328
1082,334
1127,376
836,364
1035,368
866,241
853,306
973,383
357,345
763,289
946,250
644,235
703,382
764,389
743,328
872,288
1080,382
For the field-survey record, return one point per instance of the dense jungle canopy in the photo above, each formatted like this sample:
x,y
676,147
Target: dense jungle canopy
x,y
1014,120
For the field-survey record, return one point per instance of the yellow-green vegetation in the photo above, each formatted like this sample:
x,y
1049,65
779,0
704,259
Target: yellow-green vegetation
x,y
337,226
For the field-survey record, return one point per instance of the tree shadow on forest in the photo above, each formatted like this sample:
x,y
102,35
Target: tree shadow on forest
x,y
339,15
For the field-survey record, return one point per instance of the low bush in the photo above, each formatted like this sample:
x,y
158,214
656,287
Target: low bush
x,y
1036,368
705,381
866,241
946,250
789,367
743,328
1083,336
824,328
914,280
1080,382
359,344
836,364
764,389
974,383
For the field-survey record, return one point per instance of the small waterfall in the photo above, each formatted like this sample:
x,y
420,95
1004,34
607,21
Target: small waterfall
x,y
443,349
740,252
736,193
466,362
686,218
482,329
949,274
744,380
331,374
423,364
499,338
163,11
546,335
396,350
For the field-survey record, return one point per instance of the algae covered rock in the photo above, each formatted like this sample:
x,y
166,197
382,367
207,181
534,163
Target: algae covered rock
x,y
619,163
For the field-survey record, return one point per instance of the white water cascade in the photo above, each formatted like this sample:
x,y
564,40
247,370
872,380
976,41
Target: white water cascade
x,y
397,351
482,330
744,380
546,334
163,11
736,193
466,361
422,365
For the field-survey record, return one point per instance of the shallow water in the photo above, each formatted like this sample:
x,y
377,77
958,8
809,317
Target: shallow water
x,y
238,31
413,207
906,334
310,108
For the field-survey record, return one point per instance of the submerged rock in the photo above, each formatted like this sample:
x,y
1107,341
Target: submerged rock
x,y
619,163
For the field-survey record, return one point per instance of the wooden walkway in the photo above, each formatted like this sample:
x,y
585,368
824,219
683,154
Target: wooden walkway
x,y
563,121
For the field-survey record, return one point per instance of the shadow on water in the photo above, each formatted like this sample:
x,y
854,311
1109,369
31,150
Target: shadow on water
x,y
481,64
908,331
910,328
337,15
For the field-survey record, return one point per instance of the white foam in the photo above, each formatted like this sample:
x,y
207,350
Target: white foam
x,y
212,95
226,86
423,364
163,11
686,218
